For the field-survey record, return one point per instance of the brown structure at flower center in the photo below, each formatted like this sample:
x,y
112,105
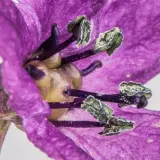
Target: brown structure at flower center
x,y
56,80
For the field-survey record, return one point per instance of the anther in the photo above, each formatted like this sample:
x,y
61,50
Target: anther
x,y
109,41
81,30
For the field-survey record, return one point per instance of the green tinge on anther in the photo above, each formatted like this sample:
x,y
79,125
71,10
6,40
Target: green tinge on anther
x,y
109,41
97,109
105,115
81,29
133,88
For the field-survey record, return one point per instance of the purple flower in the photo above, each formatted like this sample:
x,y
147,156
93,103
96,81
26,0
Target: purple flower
x,y
25,24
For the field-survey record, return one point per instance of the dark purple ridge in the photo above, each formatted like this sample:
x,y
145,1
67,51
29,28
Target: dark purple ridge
x,y
78,57
51,45
77,124
91,68
65,44
35,72
60,47
52,42
75,104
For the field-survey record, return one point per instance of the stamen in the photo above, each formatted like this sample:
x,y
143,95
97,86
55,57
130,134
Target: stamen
x,y
34,72
115,98
55,36
116,125
48,47
104,114
76,104
65,44
91,68
46,55
97,109
78,57
108,41
80,29
77,124
52,42
135,89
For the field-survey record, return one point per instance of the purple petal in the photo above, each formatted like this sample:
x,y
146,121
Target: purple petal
x,y
50,140
27,23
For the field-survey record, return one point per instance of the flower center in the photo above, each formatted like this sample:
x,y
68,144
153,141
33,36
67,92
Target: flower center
x,y
59,81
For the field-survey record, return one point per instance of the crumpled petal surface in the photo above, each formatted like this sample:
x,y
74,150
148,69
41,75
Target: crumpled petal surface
x,y
24,24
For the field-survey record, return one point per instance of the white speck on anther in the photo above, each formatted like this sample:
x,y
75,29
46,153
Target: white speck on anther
x,y
1,60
